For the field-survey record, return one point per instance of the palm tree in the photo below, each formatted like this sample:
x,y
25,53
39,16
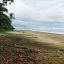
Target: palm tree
x,y
12,16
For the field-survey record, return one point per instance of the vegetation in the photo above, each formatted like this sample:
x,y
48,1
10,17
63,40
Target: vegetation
x,y
5,1
5,21
17,48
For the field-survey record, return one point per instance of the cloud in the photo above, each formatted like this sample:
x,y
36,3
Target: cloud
x,y
1,1
38,10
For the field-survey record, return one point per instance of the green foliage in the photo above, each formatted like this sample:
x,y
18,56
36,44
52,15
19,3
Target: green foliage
x,y
5,21
5,1
2,8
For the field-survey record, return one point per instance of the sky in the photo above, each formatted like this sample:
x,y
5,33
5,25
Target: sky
x,y
38,15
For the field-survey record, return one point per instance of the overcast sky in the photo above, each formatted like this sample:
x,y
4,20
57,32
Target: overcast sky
x,y
40,15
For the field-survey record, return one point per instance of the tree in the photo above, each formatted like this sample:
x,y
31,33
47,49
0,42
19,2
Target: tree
x,y
5,21
5,1
12,16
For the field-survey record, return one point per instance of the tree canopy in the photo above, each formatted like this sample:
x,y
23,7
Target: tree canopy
x,y
5,1
5,21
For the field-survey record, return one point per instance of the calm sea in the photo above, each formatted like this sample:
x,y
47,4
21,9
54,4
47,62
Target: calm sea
x,y
53,27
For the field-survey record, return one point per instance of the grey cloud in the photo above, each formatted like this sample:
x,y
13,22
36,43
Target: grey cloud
x,y
38,10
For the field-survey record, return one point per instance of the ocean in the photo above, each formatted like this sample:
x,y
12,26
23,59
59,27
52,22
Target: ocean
x,y
42,26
